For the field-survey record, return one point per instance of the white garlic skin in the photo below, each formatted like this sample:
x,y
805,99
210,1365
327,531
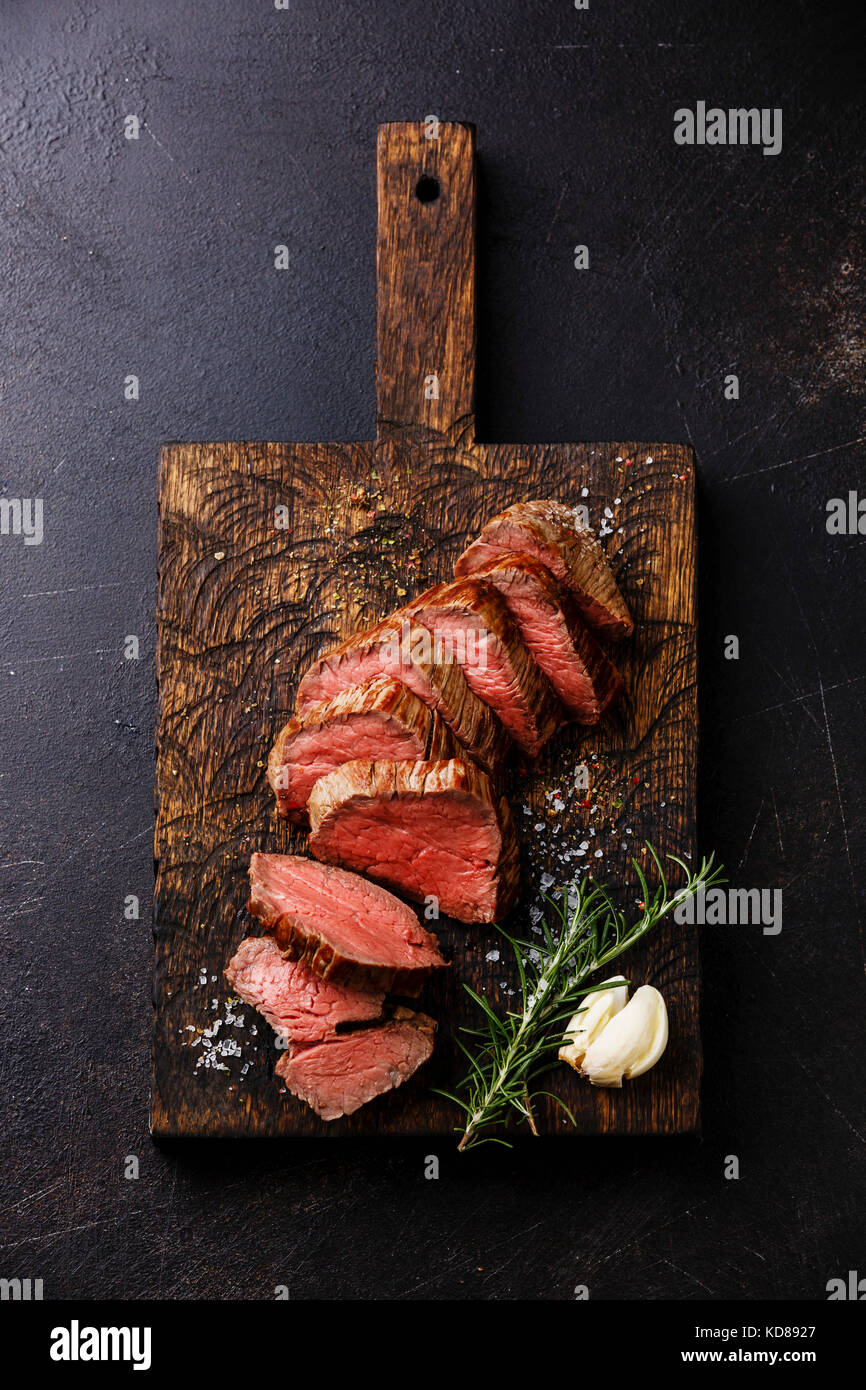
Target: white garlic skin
x,y
596,1011
630,1043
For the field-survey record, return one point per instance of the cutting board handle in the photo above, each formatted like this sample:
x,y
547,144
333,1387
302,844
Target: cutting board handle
x,y
425,269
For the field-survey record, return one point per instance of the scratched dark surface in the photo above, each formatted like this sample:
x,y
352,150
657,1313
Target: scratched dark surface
x,y
155,258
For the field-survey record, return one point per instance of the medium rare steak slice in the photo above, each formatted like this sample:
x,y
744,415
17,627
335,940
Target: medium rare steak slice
x,y
472,620
549,621
381,719
555,534
335,1072
399,648
297,1003
348,931
337,1077
426,829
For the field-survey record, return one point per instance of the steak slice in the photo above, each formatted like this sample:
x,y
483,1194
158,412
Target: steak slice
x,y
471,618
337,1077
297,1003
427,829
398,648
549,621
381,719
555,535
348,931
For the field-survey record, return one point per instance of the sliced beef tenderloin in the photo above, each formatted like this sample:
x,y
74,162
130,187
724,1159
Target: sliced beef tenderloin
x,y
380,719
401,649
349,931
472,620
340,1075
549,621
298,1004
555,534
426,829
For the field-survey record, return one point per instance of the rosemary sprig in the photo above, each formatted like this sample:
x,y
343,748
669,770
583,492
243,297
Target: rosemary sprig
x,y
507,1055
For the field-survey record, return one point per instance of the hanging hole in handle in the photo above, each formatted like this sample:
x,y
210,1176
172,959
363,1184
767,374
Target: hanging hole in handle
x,y
427,189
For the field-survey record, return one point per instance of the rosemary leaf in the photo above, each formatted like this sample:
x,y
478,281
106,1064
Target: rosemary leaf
x,y
506,1056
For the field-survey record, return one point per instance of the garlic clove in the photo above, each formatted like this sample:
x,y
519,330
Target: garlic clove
x,y
596,1011
631,1042
660,1033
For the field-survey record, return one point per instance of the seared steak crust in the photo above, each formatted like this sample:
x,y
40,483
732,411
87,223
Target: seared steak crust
x,y
399,648
472,619
428,829
549,621
380,719
555,534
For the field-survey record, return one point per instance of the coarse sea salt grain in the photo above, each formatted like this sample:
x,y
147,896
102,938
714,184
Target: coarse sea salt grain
x,y
211,1056
492,955
214,1049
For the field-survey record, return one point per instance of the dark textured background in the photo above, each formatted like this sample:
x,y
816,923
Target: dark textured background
x,y
155,257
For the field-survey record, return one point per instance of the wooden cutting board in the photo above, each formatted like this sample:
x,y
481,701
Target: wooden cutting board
x,y
269,553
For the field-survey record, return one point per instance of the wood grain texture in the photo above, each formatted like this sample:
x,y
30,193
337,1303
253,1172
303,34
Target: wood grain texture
x,y
425,268
245,605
